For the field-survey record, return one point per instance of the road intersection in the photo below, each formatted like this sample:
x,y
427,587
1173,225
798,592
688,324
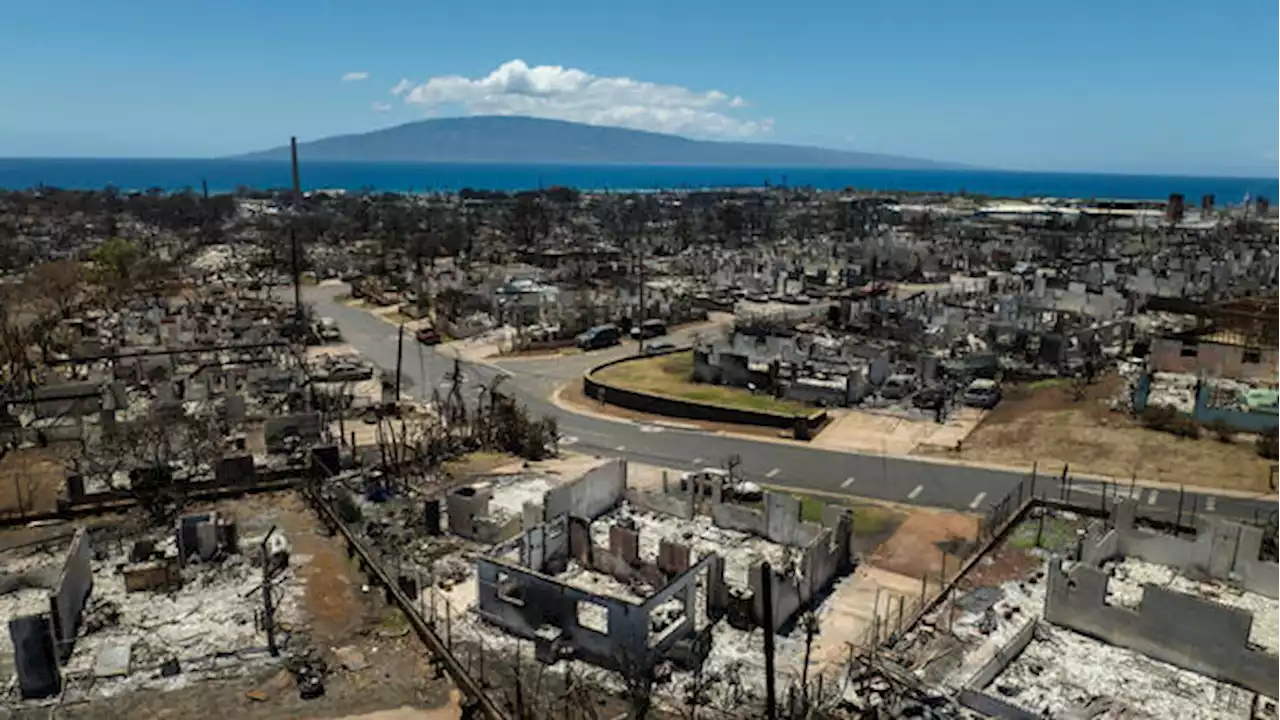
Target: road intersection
x,y
909,480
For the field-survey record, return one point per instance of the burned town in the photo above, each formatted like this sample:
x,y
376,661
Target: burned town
x,y
749,453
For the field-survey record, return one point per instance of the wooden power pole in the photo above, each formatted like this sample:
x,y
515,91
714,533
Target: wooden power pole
x,y
294,250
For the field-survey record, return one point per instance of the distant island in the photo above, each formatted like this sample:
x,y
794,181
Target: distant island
x,y
526,140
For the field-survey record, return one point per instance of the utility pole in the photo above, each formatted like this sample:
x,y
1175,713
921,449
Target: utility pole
x,y
268,602
766,593
640,346
399,360
294,250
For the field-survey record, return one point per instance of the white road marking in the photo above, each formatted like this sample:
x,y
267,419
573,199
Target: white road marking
x,y
912,495
1151,498
620,448
651,429
697,461
568,439
1211,503
773,472
847,483
977,501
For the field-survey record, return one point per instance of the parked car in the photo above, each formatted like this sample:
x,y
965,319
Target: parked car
x,y
649,329
982,393
658,347
428,336
600,336
328,330
897,387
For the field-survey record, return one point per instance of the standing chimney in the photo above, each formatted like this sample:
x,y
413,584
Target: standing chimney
x,y
1176,207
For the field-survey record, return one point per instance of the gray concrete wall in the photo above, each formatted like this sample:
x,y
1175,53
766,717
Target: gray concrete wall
x,y
68,597
1222,549
1173,627
1005,655
779,521
468,511
590,496
522,601
1251,572
34,658
734,517
827,557
679,505
546,546
234,469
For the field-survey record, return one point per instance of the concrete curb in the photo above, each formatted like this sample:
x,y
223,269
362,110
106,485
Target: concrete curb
x,y
560,403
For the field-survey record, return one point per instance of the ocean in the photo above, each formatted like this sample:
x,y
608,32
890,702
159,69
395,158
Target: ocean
x,y
227,175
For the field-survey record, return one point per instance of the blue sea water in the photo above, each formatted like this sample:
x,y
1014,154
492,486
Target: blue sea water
x,y
227,175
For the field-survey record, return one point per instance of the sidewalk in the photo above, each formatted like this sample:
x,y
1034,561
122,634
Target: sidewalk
x,y
1046,472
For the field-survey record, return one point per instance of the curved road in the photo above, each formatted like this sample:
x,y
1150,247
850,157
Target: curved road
x,y
897,479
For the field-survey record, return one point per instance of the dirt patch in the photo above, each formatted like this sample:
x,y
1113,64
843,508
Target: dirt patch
x,y
1001,565
869,597
924,542
397,678
31,479
869,432
1044,423
451,710
333,596
374,663
550,352
481,462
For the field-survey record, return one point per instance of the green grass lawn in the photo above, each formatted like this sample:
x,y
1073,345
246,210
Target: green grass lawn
x,y
867,519
671,375
1059,534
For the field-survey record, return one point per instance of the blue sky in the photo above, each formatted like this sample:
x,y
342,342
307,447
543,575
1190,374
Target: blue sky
x,y
1121,86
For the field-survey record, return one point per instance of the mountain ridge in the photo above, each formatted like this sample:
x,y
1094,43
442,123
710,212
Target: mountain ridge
x,y
491,139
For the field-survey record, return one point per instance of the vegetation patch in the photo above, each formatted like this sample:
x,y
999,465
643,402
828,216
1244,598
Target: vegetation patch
x,y
672,376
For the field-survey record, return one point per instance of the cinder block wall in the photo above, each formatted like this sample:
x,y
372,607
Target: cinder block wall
x,y
1173,627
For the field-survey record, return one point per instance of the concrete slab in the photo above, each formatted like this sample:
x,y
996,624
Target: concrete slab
x,y
848,614
113,660
872,432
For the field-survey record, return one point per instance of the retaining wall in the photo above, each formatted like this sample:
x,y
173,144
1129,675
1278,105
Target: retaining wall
x,y
657,404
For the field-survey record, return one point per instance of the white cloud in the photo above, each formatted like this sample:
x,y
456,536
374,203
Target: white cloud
x,y
355,76
382,107
402,87
552,91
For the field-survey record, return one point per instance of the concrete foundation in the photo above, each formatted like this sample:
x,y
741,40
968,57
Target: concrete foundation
x,y
1173,627
1222,549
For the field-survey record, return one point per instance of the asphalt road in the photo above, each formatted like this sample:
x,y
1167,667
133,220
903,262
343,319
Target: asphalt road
x,y
897,479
